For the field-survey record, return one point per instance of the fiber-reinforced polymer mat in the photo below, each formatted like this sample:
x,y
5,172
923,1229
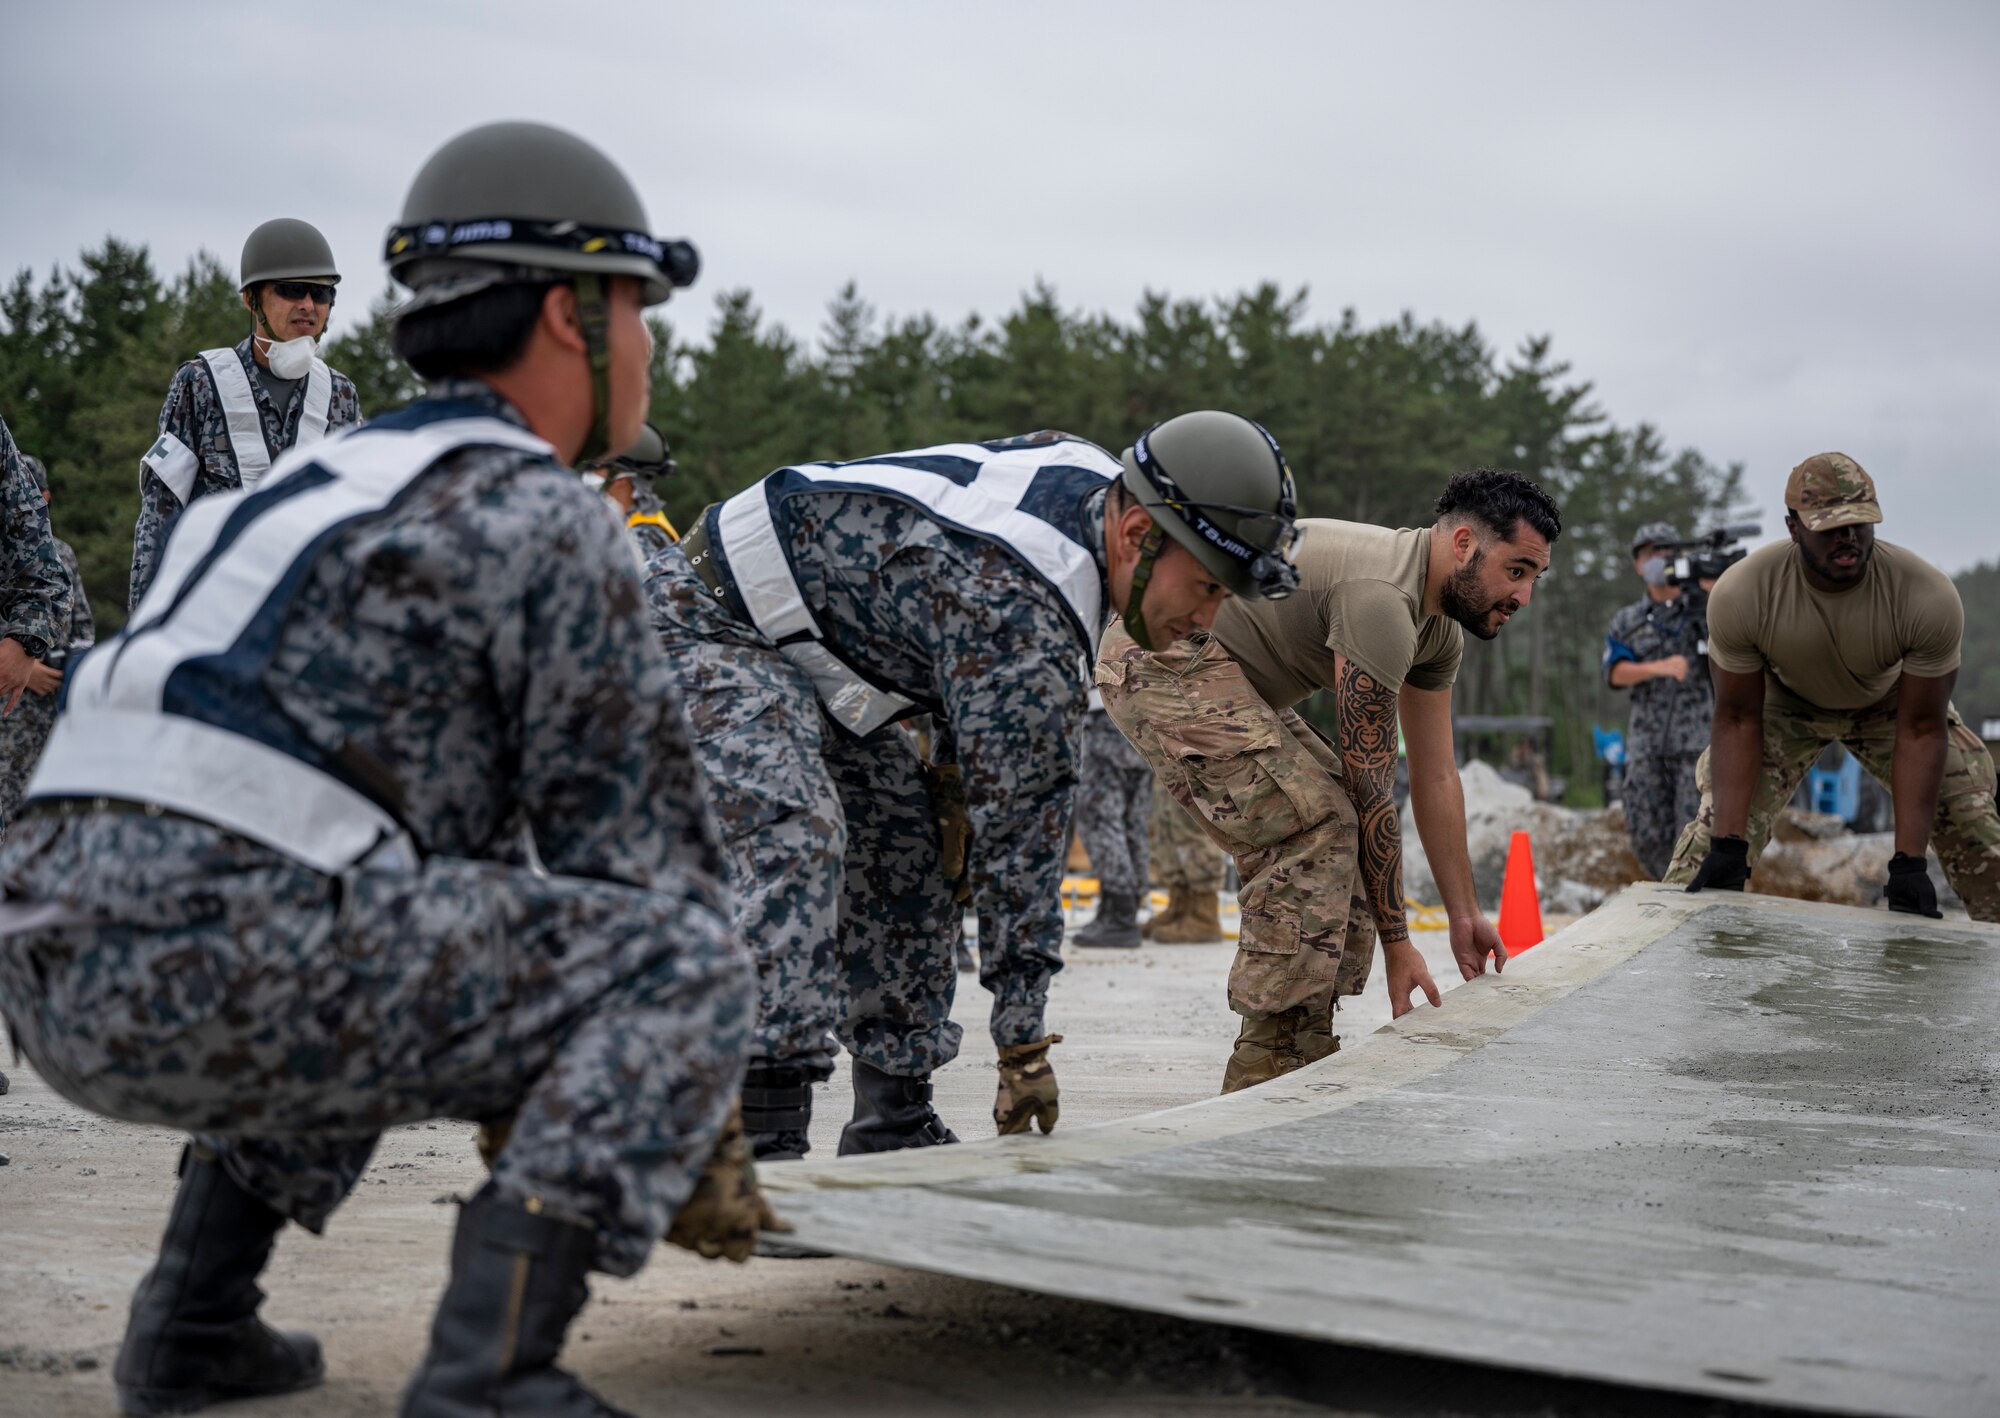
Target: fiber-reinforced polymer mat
x,y
1717,1144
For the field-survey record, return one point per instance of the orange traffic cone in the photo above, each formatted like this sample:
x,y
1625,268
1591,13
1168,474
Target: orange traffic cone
x,y
1520,922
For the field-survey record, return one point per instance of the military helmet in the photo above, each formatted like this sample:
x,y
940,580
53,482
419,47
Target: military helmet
x,y
1655,534
508,203
286,249
1217,483
521,203
648,456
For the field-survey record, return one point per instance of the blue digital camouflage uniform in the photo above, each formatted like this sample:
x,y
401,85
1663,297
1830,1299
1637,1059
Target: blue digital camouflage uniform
x,y
34,590
1114,803
834,839
193,414
481,648
26,730
1668,726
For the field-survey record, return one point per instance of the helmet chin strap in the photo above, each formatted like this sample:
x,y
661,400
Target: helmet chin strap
x,y
593,314
1149,551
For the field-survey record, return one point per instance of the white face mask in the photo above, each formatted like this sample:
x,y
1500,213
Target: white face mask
x,y
1654,570
291,359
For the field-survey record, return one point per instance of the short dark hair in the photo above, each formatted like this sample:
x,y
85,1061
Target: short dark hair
x,y
482,334
1499,499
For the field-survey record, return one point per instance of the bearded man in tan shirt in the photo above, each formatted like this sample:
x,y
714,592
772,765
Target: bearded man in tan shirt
x,y
1378,619
1835,637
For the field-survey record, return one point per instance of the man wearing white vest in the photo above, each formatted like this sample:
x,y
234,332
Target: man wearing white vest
x,y
230,412
273,885
812,612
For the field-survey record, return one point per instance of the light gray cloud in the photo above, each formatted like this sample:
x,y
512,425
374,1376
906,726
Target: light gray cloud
x,y
1766,229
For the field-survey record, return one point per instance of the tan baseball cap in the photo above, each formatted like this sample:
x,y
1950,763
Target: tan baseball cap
x,y
1831,490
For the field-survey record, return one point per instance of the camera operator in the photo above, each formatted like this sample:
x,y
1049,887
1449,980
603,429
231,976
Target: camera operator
x,y
1654,648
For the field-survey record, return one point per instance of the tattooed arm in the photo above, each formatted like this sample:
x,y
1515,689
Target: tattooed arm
x,y
1367,742
1437,801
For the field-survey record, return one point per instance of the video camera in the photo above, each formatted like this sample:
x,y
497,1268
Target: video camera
x,y
1711,554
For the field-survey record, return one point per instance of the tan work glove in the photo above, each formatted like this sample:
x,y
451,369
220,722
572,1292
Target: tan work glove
x,y
1027,1088
946,783
727,1209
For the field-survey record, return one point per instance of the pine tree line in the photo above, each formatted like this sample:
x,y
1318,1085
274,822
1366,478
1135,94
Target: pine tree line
x,y
1373,418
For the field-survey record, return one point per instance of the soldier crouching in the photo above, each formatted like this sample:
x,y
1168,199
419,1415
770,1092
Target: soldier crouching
x,y
272,885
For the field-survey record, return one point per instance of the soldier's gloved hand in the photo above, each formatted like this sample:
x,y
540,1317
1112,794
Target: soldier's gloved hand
x,y
727,1209
1910,889
1027,1088
946,784
1725,868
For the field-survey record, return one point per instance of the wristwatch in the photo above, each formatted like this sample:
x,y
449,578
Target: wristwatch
x,y
33,644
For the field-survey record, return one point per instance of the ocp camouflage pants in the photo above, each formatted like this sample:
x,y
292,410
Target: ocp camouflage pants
x,y
834,851
1183,858
287,1018
1266,789
1661,797
1114,798
1965,833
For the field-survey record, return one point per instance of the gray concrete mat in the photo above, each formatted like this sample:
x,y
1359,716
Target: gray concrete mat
x,y
1735,1146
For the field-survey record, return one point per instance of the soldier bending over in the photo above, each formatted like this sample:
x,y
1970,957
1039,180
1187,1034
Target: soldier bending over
x,y
821,605
1834,637
1313,825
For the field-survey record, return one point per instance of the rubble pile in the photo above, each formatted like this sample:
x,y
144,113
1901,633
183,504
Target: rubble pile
x,y
1582,856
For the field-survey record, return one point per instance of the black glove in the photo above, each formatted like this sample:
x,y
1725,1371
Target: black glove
x,y
1909,889
1725,868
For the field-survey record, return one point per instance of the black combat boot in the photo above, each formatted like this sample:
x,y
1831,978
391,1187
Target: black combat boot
x,y
194,1338
777,1111
1116,926
891,1112
517,1280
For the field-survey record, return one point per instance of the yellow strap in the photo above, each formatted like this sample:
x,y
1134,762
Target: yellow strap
x,y
653,519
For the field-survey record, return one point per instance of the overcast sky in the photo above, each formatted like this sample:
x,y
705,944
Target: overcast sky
x,y
1769,229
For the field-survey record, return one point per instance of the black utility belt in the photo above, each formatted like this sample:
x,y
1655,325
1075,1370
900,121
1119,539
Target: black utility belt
x,y
701,555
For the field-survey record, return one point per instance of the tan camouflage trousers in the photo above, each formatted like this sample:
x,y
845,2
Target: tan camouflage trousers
x,y
1179,852
1966,832
1265,788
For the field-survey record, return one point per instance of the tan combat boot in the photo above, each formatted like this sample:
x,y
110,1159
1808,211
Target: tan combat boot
x,y
1164,915
1199,923
1274,1046
1316,1036
1027,1088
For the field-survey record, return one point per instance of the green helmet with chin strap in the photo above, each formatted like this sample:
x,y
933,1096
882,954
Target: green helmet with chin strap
x,y
286,249
523,204
1217,484
283,249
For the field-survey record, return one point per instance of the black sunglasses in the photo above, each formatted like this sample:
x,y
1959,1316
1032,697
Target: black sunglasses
x,y
317,291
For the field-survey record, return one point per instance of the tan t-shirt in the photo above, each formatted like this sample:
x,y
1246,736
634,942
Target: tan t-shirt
x,y
1842,650
1361,594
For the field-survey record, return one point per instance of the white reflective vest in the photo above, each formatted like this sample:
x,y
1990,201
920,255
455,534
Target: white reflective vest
x,y
171,711
176,465
998,494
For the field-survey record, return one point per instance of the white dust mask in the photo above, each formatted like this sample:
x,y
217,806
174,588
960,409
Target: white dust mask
x,y
291,359
1654,570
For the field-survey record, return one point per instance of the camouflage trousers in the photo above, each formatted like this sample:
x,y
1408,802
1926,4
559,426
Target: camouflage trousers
x,y
1114,798
1183,857
1265,787
1965,834
1661,797
23,735
287,1018
834,851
